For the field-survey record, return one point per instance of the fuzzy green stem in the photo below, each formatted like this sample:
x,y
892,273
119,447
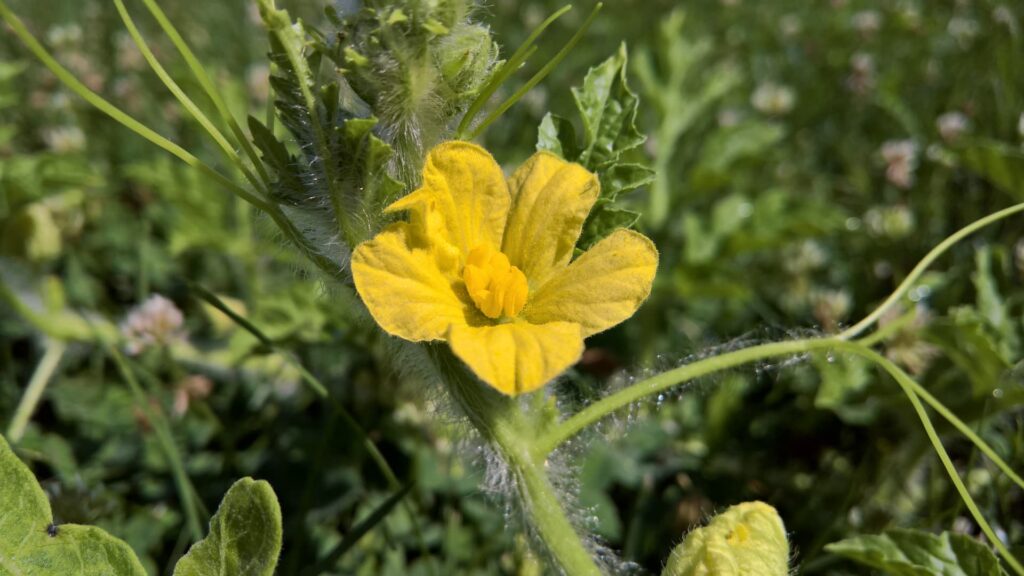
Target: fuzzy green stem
x,y
542,503
503,424
47,367
609,404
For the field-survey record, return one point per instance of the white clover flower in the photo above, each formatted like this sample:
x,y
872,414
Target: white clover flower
x,y
1002,14
773,99
862,78
963,30
64,35
952,125
1020,125
867,22
194,387
155,322
900,157
128,56
790,25
830,307
64,139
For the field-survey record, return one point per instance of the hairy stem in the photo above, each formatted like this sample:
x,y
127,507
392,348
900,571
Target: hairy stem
x,y
47,367
501,422
623,398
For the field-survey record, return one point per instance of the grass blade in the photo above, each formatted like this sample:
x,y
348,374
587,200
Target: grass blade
x,y
359,530
207,85
541,75
183,98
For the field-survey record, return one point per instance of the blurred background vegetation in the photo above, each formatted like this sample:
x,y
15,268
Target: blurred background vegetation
x,y
809,153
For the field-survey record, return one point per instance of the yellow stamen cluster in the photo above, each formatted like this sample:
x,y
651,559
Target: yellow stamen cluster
x,y
496,286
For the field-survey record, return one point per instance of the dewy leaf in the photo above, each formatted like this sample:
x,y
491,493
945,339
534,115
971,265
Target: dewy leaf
x,y
245,535
31,546
746,540
918,553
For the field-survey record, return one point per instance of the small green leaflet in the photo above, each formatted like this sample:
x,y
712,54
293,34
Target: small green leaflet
x,y
748,539
30,546
918,553
245,535
607,109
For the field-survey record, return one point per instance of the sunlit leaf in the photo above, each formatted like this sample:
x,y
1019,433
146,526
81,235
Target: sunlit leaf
x,y
245,535
30,545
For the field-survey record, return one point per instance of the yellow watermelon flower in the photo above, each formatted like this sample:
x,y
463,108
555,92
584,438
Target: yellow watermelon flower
x,y
486,264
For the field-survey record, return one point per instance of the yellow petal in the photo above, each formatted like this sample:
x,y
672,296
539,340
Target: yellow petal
x,y
465,188
550,200
601,288
518,357
398,279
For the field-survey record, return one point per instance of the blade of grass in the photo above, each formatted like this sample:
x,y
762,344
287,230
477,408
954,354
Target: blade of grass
x,y
114,112
307,377
68,79
539,76
523,53
183,99
41,377
186,491
371,447
358,531
207,85
908,385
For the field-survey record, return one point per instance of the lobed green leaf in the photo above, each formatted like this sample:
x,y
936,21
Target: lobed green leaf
x,y
918,553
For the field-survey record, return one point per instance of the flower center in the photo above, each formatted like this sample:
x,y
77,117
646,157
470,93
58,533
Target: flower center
x,y
496,286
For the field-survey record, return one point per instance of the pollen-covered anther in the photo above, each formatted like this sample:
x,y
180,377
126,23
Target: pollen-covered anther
x,y
496,286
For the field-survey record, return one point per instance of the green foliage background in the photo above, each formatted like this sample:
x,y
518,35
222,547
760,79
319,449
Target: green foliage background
x,y
772,219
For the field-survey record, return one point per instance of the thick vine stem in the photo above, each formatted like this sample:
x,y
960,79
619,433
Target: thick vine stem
x,y
503,424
